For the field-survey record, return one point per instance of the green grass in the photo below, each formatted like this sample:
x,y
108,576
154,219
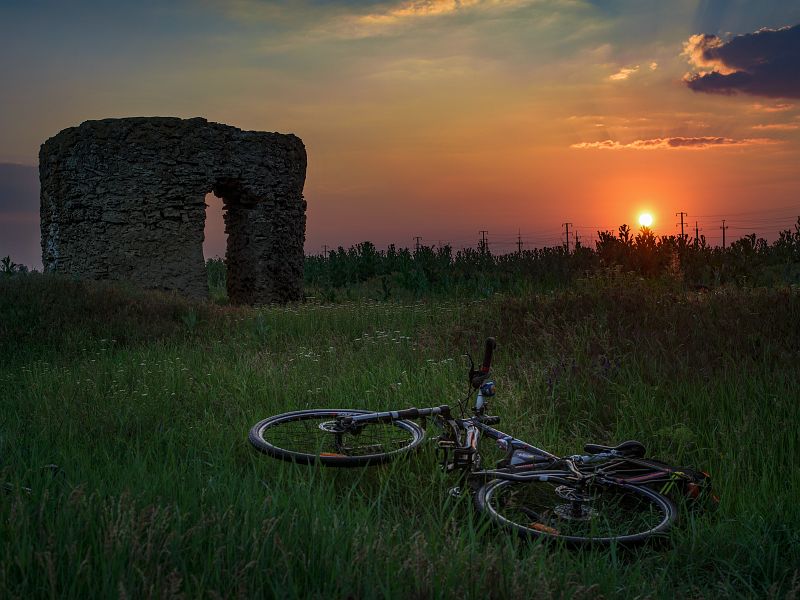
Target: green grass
x,y
126,471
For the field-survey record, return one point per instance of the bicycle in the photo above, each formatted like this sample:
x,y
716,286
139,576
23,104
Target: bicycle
x,y
600,497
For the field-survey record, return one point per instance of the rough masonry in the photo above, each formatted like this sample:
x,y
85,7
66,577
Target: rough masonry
x,y
125,199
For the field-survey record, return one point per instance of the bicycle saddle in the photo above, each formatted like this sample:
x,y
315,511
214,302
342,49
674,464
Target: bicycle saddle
x,y
631,449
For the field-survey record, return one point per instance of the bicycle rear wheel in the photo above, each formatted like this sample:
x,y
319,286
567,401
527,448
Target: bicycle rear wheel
x,y
310,436
556,506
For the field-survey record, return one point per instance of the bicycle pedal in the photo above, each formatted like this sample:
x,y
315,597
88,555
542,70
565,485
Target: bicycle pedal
x,y
463,457
455,492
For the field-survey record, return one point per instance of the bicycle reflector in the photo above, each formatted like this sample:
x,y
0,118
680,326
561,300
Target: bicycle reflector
x,y
487,388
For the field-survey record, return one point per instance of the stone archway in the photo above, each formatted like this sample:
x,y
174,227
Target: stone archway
x,y
124,199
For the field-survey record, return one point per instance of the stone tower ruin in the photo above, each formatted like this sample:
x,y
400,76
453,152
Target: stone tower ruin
x,y
125,199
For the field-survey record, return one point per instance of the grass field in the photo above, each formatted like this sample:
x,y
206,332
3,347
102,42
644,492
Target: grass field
x,y
126,472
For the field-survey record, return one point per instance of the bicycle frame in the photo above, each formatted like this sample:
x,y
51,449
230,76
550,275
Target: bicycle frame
x,y
474,428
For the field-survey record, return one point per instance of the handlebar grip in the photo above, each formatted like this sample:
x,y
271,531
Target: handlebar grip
x,y
486,365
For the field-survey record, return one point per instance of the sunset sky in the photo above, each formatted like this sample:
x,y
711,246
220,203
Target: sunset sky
x,y
437,118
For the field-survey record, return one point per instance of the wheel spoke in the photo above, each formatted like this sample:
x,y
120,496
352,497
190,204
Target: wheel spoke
x,y
309,436
306,436
577,512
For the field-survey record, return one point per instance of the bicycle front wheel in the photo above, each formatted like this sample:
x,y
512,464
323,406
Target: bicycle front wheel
x,y
311,436
556,505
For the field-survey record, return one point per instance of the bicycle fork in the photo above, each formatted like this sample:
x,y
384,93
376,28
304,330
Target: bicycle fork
x,y
463,457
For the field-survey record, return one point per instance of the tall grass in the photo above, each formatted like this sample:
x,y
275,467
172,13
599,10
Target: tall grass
x,y
125,469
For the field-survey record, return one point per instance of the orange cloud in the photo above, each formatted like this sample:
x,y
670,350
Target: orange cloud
x,y
395,15
780,107
623,73
777,127
699,51
411,9
672,143
417,8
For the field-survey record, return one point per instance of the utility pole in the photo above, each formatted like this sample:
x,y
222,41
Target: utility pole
x,y
483,243
577,240
724,227
566,237
681,215
696,234
325,250
416,246
519,241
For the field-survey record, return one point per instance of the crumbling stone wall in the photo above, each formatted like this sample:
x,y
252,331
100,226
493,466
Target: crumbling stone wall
x,y
124,199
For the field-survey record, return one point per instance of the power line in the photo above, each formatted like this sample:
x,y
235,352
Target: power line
x,y
776,221
760,211
753,229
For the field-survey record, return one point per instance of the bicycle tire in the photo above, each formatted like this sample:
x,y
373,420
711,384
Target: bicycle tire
x,y
548,513
388,439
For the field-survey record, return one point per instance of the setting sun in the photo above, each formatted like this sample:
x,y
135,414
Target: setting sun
x,y
645,219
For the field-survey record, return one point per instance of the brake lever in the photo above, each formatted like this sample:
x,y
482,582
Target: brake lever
x,y
472,371
471,362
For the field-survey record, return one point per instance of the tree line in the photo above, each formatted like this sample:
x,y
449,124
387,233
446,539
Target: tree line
x,y
750,260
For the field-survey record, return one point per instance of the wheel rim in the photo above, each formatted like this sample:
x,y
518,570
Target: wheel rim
x,y
600,513
308,436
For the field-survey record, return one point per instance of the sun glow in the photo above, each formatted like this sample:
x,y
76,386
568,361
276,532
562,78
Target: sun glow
x,y
645,219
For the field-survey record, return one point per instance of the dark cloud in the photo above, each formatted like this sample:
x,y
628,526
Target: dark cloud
x,y
764,63
19,188
19,214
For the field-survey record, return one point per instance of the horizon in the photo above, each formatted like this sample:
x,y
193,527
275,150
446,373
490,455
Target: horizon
x,y
439,118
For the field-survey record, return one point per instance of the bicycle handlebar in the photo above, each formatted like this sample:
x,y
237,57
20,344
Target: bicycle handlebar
x,y
486,365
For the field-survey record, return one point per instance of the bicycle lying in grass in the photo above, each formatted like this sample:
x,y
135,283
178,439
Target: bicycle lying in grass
x,y
603,496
